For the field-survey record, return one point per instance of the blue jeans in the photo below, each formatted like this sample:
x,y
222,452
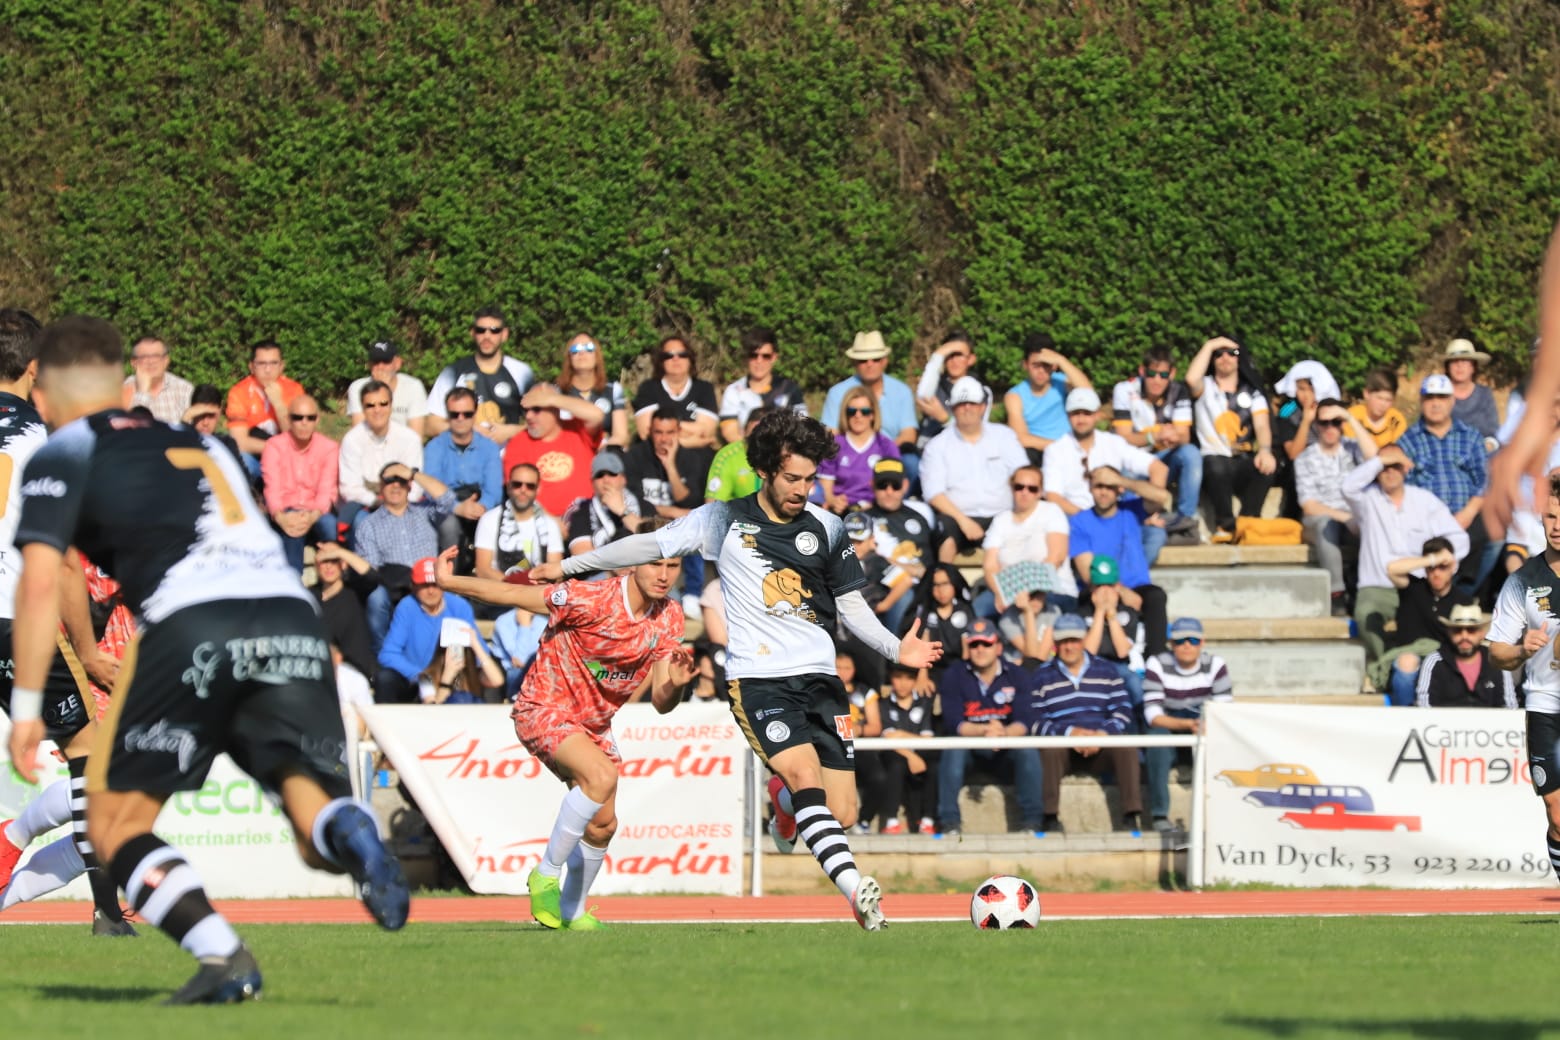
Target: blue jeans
x,y
324,530
1154,537
693,575
378,611
1159,761
1134,681
1186,472
1022,764
1402,687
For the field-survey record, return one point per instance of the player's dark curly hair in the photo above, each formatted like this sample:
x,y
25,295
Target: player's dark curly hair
x,y
788,433
18,342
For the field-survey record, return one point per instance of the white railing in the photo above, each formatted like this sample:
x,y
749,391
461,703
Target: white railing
x,y
1194,851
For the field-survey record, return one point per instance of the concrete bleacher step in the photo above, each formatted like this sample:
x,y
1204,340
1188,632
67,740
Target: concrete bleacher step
x,y
1293,668
1254,629
1233,555
1238,592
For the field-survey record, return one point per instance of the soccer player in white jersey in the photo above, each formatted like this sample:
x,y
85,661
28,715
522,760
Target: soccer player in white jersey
x,y
232,656
1523,635
787,571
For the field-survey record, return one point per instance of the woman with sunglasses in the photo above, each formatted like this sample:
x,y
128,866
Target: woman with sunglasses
x,y
1234,431
674,388
595,400
759,388
846,479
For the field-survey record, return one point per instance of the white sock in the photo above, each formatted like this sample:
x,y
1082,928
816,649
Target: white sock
x,y
573,817
584,864
49,810
211,938
54,866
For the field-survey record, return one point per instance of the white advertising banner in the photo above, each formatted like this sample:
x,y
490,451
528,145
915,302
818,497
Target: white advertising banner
x,y
1394,797
492,805
242,844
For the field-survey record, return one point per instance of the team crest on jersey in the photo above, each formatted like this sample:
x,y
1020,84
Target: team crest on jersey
x,y
559,596
777,731
1539,776
502,390
807,543
913,526
784,593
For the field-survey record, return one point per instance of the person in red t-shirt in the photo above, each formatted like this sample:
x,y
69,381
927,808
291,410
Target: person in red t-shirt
x,y
606,641
561,453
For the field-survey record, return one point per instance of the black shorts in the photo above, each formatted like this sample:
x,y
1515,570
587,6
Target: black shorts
x,y
776,714
1543,748
252,678
67,700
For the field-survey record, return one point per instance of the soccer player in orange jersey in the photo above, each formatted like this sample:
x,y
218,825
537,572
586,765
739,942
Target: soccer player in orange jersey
x,y
605,641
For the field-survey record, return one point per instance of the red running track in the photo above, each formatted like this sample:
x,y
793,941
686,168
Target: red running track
x,y
1080,906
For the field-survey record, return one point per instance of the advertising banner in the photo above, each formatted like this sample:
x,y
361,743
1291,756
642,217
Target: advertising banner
x,y
1393,797
242,845
491,804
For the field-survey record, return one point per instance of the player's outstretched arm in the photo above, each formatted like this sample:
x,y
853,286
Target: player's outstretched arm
x,y
498,593
912,650
625,552
33,642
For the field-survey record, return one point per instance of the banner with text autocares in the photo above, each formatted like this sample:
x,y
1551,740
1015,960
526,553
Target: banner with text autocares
x,y
240,843
1396,797
492,805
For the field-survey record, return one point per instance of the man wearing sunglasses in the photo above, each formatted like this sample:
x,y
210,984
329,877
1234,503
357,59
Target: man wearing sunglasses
x,y
369,447
904,529
759,387
1319,473
518,535
1177,684
398,534
498,380
300,481
1154,412
408,396
1462,674
470,466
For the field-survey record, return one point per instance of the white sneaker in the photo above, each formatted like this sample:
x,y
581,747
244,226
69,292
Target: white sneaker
x,y
866,904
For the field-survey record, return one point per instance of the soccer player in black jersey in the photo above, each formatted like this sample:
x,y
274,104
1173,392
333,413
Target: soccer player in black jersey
x,y
232,656
788,571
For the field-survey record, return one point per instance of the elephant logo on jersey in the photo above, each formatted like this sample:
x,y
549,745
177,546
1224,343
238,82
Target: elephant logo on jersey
x,y
785,586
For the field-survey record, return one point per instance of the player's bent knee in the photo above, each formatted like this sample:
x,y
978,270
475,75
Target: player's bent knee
x,y
1408,663
599,783
845,810
599,832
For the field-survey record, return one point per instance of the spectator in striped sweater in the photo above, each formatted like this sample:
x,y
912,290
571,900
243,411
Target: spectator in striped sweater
x,y
1176,685
1076,694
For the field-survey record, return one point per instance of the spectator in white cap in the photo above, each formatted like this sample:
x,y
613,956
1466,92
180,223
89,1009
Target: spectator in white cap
x,y
1473,403
611,512
1069,460
1233,430
895,400
1176,686
965,471
1450,462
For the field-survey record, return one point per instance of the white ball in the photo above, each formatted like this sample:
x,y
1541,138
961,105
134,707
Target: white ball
x,y
1005,901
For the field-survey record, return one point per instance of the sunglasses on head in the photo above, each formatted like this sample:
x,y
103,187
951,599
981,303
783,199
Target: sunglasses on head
x,y
858,411
527,485
311,417
582,348
491,330
453,414
1193,640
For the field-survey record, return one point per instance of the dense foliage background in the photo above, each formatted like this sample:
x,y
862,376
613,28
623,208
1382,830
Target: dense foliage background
x,y
1353,181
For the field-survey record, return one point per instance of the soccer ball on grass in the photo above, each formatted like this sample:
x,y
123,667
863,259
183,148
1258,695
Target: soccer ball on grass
x,y
1005,901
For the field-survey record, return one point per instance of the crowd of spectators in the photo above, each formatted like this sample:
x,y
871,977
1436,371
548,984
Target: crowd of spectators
x,y
1054,506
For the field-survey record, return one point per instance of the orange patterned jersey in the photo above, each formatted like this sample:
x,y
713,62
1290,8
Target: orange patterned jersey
x,y
120,628
595,653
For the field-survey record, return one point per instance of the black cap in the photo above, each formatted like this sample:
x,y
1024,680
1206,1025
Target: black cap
x,y
382,350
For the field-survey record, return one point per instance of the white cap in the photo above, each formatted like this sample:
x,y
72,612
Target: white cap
x,y
967,390
1436,386
1082,400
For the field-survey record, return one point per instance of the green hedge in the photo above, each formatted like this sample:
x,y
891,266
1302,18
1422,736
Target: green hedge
x,y
1347,181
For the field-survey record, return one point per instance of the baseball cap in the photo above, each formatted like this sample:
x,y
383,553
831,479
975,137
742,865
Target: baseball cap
x,y
606,462
1185,628
1069,626
888,468
425,571
858,527
382,350
967,390
1436,386
982,631
1103,570
1082,399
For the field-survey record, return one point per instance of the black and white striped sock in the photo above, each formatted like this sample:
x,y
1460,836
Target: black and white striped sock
x,y
105,894
1554,852
825,838
165,890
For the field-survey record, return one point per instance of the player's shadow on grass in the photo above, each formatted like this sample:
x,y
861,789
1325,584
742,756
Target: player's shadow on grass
x,y
1439,1028
103,994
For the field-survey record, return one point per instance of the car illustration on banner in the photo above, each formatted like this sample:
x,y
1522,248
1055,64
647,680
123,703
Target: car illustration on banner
x,y
1272,775
1349,797
1332,817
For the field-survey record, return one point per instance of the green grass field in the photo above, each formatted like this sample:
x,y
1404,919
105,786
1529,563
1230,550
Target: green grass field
x,y
1485,978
